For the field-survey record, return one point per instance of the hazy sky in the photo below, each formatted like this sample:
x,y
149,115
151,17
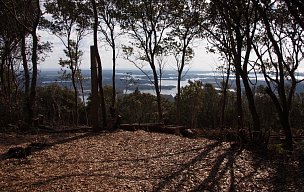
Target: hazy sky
x,y
202,61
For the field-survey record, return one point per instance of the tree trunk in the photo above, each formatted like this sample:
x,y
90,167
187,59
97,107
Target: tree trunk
x,y
102,101
179,77
8,79
159,106
158,96
224,99
283,106
14,81
5,81
178,110
285,121
2,75
75,92
25,68
34,79
239,101
94,91
113,77
257,134
34,63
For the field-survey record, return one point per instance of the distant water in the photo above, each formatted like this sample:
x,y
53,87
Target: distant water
x,y
142,82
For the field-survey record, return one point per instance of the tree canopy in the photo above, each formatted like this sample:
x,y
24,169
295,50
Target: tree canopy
x,y
251,36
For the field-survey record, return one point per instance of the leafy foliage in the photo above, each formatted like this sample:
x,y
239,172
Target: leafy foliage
x,y
57,104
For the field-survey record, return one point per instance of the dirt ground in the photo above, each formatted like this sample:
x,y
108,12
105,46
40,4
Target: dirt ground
x,y
141,161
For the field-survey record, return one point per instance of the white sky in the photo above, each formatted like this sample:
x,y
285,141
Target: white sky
x,y
202,61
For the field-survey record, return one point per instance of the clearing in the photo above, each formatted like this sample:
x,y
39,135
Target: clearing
x,y
141,161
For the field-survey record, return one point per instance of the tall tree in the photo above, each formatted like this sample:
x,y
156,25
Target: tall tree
x,y
279,50
69,22
73,55
36,9
30,23
9,43
95,38
186,28
109,13
146,23
226,70
237,20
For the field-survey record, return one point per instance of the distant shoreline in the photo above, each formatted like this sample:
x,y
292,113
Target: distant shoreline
x,y
143,83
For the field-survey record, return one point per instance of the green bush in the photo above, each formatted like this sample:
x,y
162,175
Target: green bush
x,y
57,104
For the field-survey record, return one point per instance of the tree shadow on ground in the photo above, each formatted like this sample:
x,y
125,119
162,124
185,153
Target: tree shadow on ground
x,y
103,172
166,181
213,177
216,172
14,138
288,174
35,147
222,166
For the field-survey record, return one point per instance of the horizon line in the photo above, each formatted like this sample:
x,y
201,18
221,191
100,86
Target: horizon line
x,y
110,69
